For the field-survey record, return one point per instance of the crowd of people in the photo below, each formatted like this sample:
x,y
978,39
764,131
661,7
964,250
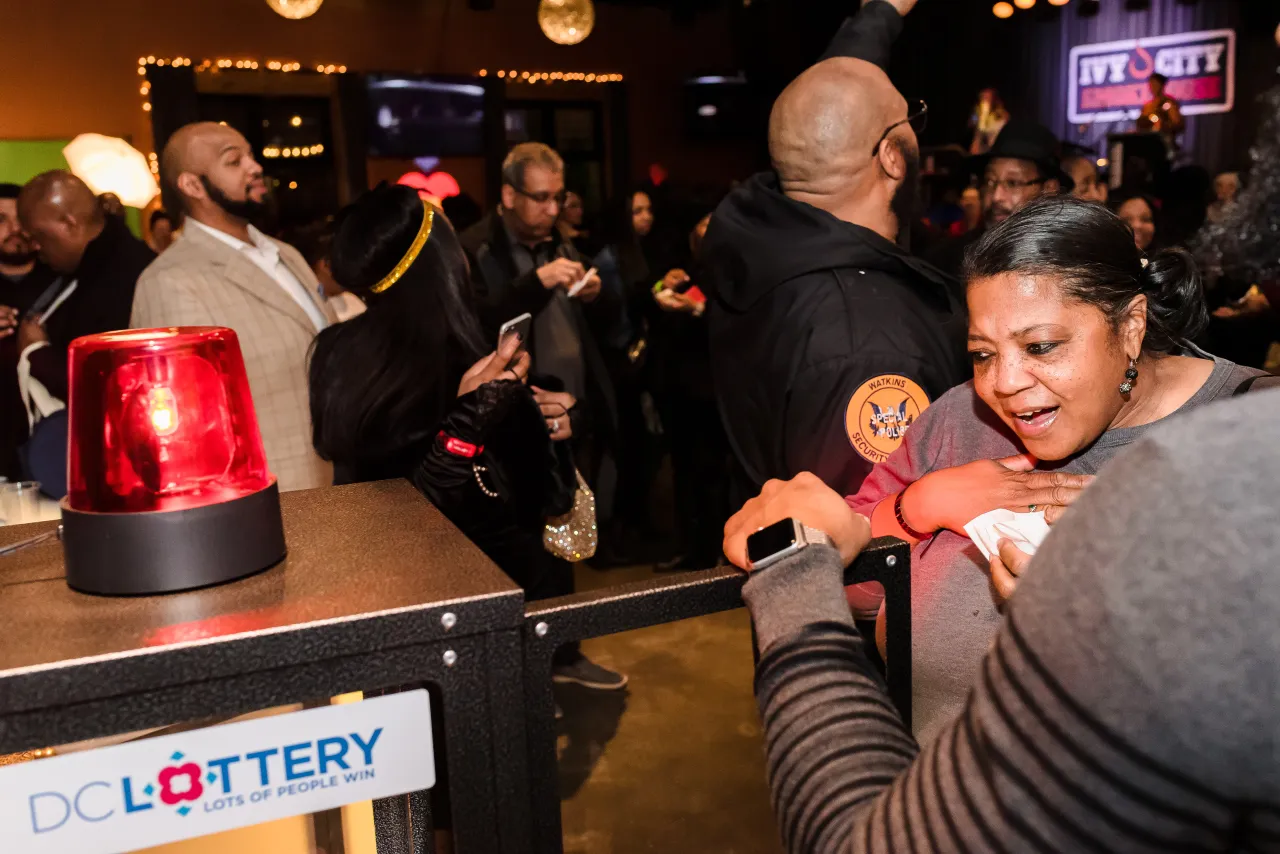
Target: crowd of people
x,y
1071,697
1038,349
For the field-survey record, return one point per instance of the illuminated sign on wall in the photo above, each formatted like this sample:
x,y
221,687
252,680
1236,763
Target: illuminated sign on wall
x,y
1109,81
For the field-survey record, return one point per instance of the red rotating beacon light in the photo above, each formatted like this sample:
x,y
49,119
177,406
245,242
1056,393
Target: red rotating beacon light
x,y
168,487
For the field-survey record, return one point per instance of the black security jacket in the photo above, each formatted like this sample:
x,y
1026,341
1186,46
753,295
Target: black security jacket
x,y
806,309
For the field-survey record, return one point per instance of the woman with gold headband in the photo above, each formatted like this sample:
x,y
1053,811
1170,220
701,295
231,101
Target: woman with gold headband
x,y
405,390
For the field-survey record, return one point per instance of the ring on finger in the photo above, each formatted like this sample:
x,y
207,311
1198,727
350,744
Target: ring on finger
x,y
555,425
1031,508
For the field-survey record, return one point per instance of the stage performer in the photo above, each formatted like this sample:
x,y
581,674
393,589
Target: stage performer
x,y
1162,114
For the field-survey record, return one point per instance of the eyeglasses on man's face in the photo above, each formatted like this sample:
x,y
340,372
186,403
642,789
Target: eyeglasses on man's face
x,y
1009,185
543,198
917,117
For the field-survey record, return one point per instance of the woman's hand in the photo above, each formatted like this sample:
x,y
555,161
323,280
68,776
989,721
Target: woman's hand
x,y
1006,568
674,279
504,364
951,498
555,406
806,498
677,302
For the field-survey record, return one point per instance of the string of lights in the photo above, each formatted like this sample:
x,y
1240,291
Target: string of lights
x,y
1004,9
274,151
222,64
552,76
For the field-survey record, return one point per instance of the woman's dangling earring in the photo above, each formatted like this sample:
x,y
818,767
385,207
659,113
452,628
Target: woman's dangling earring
x,y
1129,377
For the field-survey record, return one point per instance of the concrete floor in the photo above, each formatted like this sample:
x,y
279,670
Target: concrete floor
x,y
675,763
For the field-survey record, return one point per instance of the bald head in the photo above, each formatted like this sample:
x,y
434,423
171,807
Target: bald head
x,y
59,192
826,122
207,171
62,215
191,149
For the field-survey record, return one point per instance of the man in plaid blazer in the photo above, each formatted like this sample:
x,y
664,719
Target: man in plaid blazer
x,y
224,272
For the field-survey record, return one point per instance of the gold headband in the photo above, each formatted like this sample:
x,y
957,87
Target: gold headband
x,y
428,220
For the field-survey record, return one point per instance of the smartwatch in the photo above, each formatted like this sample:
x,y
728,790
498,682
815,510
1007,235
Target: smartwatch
x,y
780,541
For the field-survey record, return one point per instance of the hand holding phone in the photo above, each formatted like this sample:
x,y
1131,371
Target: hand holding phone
x,y
517,326
509,362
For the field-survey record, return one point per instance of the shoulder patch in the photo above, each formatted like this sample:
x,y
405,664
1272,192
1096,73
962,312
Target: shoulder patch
x,y
879,414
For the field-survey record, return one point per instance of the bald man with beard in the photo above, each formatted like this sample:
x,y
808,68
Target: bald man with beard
x,y
98,262
828,339
223,271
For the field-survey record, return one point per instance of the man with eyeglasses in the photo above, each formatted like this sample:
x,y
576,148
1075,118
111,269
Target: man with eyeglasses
x,y
1024,164
827,337
520,262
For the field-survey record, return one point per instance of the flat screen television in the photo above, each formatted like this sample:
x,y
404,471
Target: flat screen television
x,y
425,116
720,107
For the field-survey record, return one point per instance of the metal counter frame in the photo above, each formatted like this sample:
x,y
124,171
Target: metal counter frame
x,y
552,623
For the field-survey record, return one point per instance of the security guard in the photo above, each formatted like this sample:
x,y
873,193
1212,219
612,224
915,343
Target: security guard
x,y
827,339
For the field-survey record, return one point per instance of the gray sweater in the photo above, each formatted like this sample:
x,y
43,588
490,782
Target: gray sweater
x,y
1130,702
952,616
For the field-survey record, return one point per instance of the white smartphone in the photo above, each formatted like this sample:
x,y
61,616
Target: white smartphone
x,y
516,326
582,283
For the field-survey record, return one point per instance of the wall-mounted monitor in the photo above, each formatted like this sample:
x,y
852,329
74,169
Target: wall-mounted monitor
x,y
426,116
720,107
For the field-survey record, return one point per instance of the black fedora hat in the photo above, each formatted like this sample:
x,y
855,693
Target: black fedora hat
x,y
1023,140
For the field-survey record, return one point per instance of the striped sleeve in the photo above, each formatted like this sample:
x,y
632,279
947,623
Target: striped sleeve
x,y
1025,768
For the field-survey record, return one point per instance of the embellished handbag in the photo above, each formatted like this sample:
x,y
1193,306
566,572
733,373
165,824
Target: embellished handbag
x,y
573,536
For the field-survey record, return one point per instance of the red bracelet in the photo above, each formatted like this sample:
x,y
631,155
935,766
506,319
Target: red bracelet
x,y
897,514
459,448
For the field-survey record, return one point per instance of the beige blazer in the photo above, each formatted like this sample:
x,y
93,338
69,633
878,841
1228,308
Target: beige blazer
x,y
201,281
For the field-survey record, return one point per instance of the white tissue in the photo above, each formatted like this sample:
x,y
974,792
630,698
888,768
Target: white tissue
x,y
1026,530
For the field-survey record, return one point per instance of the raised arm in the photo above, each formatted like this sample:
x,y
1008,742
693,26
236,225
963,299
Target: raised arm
x,y
870,34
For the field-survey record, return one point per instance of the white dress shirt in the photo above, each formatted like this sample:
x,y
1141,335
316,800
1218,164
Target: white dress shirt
x,y
266,255
346,305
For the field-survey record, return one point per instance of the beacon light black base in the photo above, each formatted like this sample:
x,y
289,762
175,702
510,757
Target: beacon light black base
x,y
137,554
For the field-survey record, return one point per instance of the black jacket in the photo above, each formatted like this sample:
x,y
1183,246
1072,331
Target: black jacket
x,y
826,339
521,466
502,293
102,301
19,294
807,312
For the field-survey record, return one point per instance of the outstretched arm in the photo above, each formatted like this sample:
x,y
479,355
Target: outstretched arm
x,y
1076,737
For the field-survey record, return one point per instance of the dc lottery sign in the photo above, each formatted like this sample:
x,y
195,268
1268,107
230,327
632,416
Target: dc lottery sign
x,y
154,791
1109,81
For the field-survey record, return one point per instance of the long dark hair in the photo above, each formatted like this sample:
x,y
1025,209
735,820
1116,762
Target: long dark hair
x,y
1091,251
633,252
380,381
